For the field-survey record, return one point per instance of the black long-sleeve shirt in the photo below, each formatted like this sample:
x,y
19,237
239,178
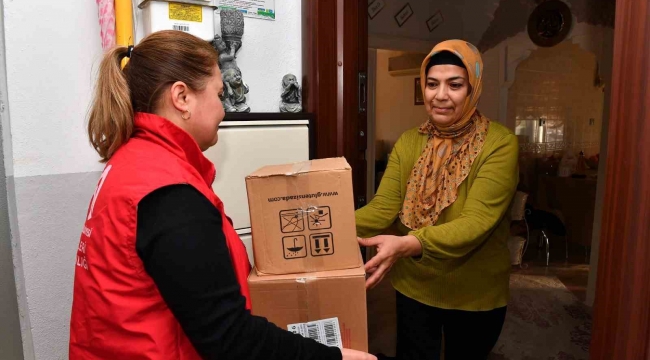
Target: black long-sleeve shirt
x,y
182,245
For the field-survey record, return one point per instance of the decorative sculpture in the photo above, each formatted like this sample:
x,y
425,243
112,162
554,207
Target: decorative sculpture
x,y
230,41
226,57
235,90
291,95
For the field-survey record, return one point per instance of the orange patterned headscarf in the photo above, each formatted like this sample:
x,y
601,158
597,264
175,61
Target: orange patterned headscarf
x,y
450,152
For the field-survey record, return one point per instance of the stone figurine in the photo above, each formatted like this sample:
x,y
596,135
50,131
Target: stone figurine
x,y
228,44
235,90
226,57
291,95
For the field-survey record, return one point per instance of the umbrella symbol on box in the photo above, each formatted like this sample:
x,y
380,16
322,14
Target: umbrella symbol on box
x,y
292,221
294,247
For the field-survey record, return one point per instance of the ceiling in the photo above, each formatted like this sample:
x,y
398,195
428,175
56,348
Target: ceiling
x,y
466,19
481,22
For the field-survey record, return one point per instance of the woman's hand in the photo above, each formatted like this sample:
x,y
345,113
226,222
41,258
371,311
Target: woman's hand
x,y
356,355
389,249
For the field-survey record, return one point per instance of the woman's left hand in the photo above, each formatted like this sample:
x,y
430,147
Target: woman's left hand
x,y
389,249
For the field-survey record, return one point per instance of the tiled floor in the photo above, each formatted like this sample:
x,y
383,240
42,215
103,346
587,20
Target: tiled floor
x,y
573,273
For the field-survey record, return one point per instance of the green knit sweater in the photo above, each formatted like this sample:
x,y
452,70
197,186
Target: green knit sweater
x,y
465,263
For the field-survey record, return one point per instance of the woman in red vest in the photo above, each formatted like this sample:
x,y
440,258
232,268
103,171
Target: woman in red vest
x,y
161,273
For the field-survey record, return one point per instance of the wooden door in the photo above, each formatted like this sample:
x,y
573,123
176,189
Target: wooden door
x,y
335,60
621,327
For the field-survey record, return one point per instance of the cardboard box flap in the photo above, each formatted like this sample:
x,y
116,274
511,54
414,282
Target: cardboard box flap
x,y
301,277
331,164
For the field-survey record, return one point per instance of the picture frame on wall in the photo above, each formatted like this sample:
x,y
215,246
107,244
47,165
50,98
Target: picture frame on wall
x,y
404,14
435,21
418,97
375,7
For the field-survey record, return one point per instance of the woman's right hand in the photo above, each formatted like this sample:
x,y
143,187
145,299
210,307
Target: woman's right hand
x,y
357,355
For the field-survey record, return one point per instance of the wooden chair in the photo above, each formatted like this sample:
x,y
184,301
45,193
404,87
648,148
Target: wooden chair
x,y
518,244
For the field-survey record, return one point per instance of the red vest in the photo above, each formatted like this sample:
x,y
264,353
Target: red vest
x,y
117,311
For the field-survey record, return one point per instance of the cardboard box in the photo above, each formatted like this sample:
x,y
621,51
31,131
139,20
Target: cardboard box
x,y
301,298
302,217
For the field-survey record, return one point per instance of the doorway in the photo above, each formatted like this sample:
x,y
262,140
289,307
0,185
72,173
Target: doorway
x,y
619,202
564,87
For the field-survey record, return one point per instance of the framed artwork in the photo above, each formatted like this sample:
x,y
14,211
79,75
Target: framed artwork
x,y
435,21
418,96
375,8
404,14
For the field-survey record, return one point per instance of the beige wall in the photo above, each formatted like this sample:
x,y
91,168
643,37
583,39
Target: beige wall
x,y
394,96
557,85
501,63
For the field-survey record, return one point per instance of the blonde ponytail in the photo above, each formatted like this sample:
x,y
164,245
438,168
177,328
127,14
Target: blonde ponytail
x,y
158,61
110,122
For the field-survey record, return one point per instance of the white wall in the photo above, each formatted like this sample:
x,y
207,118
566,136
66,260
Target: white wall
x,y
270,50
50,51
11,342
394,110
53,49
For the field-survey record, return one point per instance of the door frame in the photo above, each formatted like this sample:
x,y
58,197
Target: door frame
x,y
621,328
371,124
335,61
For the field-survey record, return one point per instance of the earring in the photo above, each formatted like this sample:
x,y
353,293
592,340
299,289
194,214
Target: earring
x,y
189,115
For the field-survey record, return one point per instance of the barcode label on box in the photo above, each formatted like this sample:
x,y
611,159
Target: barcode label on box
x,y
182,28
326,332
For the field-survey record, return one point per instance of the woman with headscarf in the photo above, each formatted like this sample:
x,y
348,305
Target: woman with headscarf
x,y
450,182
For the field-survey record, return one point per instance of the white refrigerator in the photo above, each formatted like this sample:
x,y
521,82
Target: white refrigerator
x,y
246,145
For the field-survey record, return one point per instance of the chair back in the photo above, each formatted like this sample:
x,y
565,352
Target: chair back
x,y
518,206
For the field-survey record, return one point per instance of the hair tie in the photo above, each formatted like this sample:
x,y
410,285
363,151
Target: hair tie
x,y
129,51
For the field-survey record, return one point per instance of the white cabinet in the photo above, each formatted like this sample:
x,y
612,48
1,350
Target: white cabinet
x,y
247,239
245,146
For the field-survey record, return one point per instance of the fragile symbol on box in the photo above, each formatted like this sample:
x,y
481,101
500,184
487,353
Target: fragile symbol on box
x,y
326,332
294,247
322,244
320,218
292,221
